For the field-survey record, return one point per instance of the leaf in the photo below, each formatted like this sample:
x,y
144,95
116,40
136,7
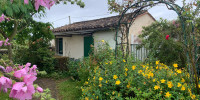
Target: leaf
x,y
15,8
9,11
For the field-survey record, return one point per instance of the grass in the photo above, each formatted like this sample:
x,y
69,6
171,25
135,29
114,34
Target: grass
x,y
4,96
69,90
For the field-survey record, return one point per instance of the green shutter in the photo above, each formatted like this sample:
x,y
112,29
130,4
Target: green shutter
x,y
88,40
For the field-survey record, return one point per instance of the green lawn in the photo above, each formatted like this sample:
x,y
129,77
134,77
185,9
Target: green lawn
x,y
69,90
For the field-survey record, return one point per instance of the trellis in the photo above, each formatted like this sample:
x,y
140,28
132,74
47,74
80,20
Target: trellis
x,y
126,20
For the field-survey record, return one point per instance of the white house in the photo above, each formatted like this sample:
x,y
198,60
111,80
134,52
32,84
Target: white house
x,y
74,40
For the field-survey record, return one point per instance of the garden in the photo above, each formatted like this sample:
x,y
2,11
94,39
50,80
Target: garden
x,y
30,69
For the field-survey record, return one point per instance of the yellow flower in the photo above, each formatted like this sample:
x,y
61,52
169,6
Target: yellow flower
x,y
157,67
162,81
199,85
128,86
169,84
113,92
157,62
124,60
183,80
86,98
154,80
175,65
178,71
94,77
111,62
193,96
102,41
115,77
125,74
133,67
100,85
106,81
117,82
179,85
86,82
167,95
100,78
150,74
106,63
156,87
140,71
126,69
183,88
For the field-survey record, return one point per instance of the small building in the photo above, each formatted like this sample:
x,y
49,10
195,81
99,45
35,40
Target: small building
x,y
74,40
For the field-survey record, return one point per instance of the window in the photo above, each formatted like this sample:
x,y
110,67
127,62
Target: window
x,y
59,46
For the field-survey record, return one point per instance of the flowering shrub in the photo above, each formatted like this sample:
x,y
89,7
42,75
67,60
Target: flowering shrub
x,y
120,79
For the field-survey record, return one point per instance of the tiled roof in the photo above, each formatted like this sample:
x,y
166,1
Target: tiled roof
x,y
92,24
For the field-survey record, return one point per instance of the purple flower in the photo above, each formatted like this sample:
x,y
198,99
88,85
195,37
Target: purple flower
x,y
5,83
39,89
33,70
20,73
9,69
2,18
26,1
29,79
22,91
2,69
1,43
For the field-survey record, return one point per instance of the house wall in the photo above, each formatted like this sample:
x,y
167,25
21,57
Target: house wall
x,y
108,36
73,47
137,27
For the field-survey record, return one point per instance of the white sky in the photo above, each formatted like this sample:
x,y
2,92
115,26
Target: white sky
x,y
94,9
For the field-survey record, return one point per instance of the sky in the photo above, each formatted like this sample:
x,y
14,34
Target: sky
x,y
59,14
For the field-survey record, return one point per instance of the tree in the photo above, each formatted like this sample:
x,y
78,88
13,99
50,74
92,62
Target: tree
x,y
17,16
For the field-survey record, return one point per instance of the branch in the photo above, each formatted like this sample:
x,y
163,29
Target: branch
x,y
14,31
4,34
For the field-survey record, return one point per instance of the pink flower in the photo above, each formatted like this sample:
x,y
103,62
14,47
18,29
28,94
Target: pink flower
x,y
167,37
1,43
20,67
20,73
26,1
21,91
9,69
29,79
39,89
6,41
27,66
2,18
5,83
33,70
44,3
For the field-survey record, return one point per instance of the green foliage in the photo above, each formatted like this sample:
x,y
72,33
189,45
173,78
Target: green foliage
x,y
120,79
61,63
153,38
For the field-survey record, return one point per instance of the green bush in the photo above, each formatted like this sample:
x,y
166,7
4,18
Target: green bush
x,y
118,79
61,63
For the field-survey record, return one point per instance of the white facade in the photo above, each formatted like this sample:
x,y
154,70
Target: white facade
x,y
73,47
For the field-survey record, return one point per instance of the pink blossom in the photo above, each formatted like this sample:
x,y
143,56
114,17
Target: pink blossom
x,y
2,18
44,3
5,83
20,73
1,43
39,89
26,1
20,67
27,66
33,70
9,69
29,79
6,41
21,91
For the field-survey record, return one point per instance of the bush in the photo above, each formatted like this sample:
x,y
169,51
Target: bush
x,y
61,63
111,78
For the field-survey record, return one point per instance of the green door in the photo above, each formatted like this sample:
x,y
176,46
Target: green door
x,y
88,40
60,46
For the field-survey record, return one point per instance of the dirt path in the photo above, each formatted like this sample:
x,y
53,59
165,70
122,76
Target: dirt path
x,y
49,83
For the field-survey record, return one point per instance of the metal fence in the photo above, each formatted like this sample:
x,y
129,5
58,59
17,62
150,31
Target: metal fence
x,y
139,54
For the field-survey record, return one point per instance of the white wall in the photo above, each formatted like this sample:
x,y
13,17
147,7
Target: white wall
x,y
108,36
73,47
